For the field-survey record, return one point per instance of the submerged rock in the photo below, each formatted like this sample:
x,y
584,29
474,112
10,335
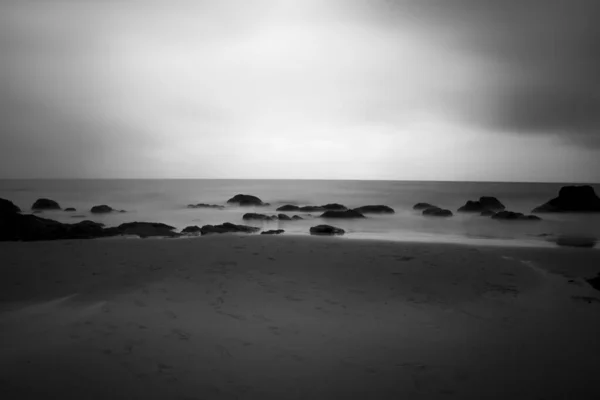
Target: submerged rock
x,y
228,227
576,241
146,229
326,230
257,217
483,204
487,213
375,209
297,217
102,209
284,217
288,207
246,200
423,206
342,214
7,206
514,216
273,232
70,209
191,229
311,208
437,212
202,205
45,204
594,282
572,199
335,207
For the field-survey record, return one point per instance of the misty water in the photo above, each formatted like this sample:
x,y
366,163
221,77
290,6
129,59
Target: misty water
x,y
166,201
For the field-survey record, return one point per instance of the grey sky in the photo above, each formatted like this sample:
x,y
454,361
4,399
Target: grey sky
x,y
413,89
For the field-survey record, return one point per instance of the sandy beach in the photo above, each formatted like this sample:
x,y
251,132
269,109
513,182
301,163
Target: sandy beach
x,y
289,317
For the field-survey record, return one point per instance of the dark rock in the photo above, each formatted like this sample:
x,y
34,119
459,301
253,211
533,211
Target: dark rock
x,y
423,206
37,211
228,227
297,217
594,282
342,214
45,204
576,241
284,217
146,229
86,230
273,232
484,204
437,212
326,230
7,206
71,209
572,199
246,200
78,216
202,205
122,211
257,217
191,229
375,209
311,208
102,209
514,216
335,207
487,213
288,207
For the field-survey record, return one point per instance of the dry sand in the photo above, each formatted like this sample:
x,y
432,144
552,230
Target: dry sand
x,y
257,317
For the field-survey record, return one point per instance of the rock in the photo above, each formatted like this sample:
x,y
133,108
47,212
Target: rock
x,y
246,200
572,199
45,204
284,217
484,204
191,229
342,214
514,216
311,208
288,207
594,282
257,217
334,207
7,206
297,218
326,230
437,212
227,227
86,230
487,213
202,205
576,241
103,209
375,209
273,232
70,209
423,206
78,216
122,211
146,229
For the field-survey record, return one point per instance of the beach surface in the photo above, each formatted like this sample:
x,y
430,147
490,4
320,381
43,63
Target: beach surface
x,y
290,317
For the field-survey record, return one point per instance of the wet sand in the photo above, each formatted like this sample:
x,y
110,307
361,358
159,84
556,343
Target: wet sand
x,y
258,317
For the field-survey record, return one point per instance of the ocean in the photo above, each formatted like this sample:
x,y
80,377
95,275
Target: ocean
x,y
166,200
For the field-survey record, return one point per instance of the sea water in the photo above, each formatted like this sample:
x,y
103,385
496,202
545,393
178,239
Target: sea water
x,y
166,201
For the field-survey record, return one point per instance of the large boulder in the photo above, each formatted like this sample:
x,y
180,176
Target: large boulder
x,y
437,212
594,282
483,204
296,218
257,217
86,230
375,209
288,207
335,207
572,199
284,217
273,232
202,205
146,229
227,227
514,216
326,230
311,208
102,209
45,204
246,200
423,206
576,241
7,206
342,214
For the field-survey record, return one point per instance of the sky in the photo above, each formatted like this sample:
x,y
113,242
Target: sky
x,y
479,90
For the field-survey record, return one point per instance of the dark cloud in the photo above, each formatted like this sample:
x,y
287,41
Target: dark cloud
x,y
543,58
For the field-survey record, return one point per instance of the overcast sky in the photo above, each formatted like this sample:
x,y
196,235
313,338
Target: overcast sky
x,y
330,89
